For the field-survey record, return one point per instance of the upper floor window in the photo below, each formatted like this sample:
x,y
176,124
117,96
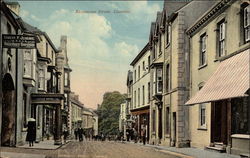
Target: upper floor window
x,y
138,96
148,92
159,45
246,23
167,78
27,69
47,50
221,38
135,99
41,79
143,95
203,45
139,70
143,65
168,35
159,80
148,62
66,79
135,75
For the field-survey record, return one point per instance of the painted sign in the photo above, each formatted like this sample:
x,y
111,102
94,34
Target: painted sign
x,y
19,41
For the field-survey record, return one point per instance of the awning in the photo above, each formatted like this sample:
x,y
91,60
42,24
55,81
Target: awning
x,y
230,80
141,110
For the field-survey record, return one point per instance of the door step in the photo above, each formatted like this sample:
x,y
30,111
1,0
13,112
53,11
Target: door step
x,y
216,149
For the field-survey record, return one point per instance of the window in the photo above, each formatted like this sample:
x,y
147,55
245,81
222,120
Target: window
x,y
143,65
246,22
167,121
148,62
47,50
27,69
135,99
168,35
167,78
138,96
160,45
153,120
66,79
159,80
148,92
203,49
221,38
202,114
135,75
9,28
41,80
143,95
139,75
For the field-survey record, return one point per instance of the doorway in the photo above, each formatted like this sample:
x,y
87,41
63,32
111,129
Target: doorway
x,y
8,112
174,130
219,119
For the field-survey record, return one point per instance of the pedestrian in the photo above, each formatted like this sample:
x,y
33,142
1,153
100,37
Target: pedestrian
x,y
76,133
135,135
65,134
80,134
143,135
31,131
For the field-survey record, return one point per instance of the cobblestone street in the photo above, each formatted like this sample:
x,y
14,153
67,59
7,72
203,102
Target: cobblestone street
x,y
96,149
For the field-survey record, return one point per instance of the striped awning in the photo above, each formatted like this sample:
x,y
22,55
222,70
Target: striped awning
x,y
230,80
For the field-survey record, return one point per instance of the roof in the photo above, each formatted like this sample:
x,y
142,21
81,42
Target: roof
x,y
9,15
31,29
209,14
230,80
137,58
170,6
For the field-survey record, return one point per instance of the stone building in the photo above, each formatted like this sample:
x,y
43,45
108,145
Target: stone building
x,y
11,81
219,78
76,109
177,17
140,91
64,81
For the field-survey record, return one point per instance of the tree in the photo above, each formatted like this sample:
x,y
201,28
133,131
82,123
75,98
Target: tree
x,y
108,112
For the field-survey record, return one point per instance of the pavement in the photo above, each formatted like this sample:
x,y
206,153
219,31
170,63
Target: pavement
x,y
46,144
20,155
189,152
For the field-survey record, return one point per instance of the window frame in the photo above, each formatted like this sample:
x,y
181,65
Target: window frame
x,y
221,38
203,50
246,23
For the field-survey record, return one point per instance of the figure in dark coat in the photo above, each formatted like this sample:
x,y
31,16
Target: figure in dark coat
x,y
31,132
80,134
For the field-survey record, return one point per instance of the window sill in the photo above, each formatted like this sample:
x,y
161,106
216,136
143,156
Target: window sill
x,y
24,129
202,128
202,66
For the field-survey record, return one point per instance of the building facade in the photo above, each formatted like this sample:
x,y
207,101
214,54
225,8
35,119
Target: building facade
x,y
219,83
140,91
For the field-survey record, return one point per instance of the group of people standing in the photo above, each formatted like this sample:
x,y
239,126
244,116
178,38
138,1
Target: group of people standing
x,y
79,132
132,134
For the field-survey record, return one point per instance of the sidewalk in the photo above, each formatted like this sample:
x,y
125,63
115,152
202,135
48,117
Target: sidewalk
x,y
46,144
189,152
19,155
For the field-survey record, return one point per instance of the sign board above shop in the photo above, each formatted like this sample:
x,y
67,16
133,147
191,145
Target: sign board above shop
x,y
19,41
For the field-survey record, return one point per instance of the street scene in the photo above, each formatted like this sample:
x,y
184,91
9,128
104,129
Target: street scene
x,y
125,79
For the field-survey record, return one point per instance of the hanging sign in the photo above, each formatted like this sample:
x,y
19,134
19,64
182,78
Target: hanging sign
x,y
19,41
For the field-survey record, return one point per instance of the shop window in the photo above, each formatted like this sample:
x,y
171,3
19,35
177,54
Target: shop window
x,y
240,115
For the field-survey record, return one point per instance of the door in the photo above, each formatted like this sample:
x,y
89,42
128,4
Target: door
x,y
219,122
8,112
173,142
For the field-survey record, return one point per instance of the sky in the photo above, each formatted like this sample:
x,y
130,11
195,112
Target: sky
x,y
103,39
